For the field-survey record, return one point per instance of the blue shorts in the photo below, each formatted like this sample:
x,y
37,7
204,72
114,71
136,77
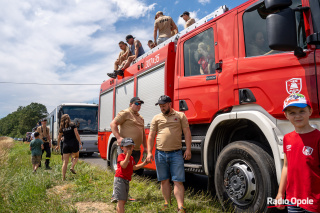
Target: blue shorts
x,y
170,163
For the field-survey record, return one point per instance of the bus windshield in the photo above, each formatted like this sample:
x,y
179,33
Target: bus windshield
x,y
84,117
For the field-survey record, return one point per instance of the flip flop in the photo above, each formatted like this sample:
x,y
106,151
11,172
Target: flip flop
x,y
73,172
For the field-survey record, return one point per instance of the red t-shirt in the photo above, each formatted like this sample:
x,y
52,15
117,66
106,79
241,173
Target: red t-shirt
x,y
127,172
303,179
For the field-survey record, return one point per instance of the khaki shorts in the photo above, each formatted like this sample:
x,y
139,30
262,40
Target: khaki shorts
x,y
36,159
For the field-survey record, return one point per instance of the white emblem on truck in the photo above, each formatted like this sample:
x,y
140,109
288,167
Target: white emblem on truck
x,y
294,85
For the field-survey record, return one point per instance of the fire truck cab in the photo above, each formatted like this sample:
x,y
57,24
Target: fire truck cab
x,y
229,73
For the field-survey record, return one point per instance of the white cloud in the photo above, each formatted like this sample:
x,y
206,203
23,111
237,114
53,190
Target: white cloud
x,y
61,42
193,14
203,2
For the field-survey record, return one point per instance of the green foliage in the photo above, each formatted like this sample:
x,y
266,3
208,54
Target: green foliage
x,y
17,123
44,191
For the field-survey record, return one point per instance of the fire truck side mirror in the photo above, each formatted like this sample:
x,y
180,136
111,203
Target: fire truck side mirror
x,y
281,29
277,4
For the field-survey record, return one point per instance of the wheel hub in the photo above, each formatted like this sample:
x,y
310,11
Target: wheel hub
x,y
239,182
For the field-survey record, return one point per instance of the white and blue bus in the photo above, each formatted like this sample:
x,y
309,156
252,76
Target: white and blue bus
x,y
85,116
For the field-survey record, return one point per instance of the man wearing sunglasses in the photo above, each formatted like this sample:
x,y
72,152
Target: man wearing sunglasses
x,y
131,125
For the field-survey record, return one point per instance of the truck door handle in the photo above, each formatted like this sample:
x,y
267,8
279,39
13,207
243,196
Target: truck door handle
x,y
218,67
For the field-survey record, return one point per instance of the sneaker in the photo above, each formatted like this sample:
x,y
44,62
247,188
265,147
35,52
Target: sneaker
x,y
48,168
120,72
182,210
131,199
112,75
34,171
113,200
164,208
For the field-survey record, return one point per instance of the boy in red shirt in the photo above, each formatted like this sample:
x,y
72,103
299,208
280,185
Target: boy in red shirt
x,y
300,177
125,167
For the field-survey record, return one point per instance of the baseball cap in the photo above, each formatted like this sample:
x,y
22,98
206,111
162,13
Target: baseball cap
x,y
127,142
44,119
163,99
136,99
129,36
297,100
185,13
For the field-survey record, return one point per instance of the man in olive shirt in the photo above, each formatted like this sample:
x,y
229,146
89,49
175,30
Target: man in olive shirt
x,y
43,130
168,126
189,21
131,125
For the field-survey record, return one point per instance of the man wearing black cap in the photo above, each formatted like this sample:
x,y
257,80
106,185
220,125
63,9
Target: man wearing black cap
x,y
136,50
189,21
131,125
168,126
43,130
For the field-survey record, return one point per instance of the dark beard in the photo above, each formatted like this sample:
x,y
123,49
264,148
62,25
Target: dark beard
x,y
167,112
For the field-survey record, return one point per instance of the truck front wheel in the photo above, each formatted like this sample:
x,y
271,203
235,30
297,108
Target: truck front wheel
x,y
113,157
245,177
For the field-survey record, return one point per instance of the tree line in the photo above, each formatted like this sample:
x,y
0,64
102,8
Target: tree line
x,y
17,123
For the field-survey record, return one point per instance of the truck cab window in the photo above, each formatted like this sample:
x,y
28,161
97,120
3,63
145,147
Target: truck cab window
x,y
256,39
199,54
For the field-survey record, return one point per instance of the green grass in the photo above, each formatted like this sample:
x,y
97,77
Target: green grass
x,y
23,191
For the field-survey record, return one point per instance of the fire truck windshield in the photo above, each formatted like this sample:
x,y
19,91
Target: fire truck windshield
x,y
84,117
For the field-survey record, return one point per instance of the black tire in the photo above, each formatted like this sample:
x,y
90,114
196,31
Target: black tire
x,y
113,157
245,177
89,154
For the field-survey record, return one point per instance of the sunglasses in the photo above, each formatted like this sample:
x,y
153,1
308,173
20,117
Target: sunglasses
x,y
137,103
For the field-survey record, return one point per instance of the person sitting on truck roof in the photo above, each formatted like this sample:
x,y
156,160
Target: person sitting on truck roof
x,y
136,50
189,21
206,58
123,55
165,25
151,44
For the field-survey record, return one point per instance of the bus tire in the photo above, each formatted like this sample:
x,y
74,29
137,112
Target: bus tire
x,y
245,177
113,157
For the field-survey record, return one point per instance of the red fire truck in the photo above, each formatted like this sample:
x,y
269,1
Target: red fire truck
x,y
229,73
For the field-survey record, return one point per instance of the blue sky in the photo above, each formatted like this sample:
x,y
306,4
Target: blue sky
x,y
74,42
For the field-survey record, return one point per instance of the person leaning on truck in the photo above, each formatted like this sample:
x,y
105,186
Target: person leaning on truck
x,y
165,25
43,130
189,21
131,125
168,126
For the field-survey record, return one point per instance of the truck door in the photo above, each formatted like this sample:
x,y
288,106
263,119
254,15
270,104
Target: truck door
x,y
273,75
198,79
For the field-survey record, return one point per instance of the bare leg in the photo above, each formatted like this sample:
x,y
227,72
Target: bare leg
x,y
65,165
116,64
179,193
166,190
74,162
127,64
120,206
